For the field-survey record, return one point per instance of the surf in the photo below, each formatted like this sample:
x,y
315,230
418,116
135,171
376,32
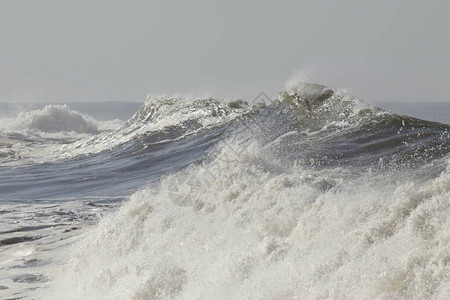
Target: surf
x,y
312,194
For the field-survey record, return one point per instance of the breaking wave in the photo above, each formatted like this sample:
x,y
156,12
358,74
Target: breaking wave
x,y
54,118
311,195
246,228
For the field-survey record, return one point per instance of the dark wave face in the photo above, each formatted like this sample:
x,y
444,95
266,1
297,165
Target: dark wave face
x,y
338,130
290,195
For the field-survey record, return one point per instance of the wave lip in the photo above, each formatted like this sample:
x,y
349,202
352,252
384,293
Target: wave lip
x,y
309,93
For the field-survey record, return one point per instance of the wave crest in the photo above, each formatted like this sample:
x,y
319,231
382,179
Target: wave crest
x,y
55,118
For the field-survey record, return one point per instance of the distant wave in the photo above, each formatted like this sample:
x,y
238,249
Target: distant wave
x,y
54,118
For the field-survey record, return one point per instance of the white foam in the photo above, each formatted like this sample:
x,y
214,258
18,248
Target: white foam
x,y
53,118
255,233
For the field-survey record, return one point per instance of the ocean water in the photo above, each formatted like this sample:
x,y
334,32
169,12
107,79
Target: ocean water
x,y
311,195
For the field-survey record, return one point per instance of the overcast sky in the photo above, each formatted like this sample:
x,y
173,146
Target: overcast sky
x,y
58,51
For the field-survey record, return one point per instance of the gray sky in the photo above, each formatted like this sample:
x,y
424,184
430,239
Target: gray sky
x,y
57,51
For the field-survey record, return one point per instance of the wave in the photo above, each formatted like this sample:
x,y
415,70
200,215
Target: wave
x,y
242,226
313,194
158,118
312,123
54,118
48,127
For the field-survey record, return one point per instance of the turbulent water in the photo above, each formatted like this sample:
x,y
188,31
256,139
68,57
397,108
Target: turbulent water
x,y
311,195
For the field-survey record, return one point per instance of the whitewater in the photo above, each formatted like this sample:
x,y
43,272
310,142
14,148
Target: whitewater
x,y
311,195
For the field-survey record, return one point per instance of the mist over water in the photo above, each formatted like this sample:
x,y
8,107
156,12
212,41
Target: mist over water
x,y
437,111
311,195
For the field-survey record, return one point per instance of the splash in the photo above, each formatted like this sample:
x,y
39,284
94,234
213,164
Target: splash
x,y
258,230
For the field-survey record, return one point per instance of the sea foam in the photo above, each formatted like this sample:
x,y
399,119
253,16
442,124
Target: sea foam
x,y
252,232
